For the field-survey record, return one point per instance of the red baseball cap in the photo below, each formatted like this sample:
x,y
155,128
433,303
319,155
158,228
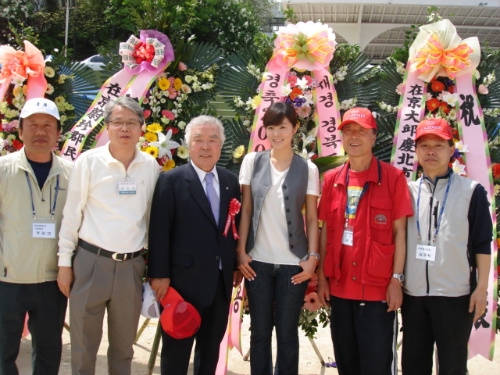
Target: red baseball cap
x,y
179,318
361,116
436,126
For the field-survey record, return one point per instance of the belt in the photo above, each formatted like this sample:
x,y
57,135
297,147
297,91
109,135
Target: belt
x,y
106,253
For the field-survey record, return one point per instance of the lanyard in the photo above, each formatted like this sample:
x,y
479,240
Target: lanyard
x,y
448,184
365,188
52,212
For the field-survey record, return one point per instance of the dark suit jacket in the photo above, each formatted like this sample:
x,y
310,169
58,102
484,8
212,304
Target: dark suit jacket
x,y
185,243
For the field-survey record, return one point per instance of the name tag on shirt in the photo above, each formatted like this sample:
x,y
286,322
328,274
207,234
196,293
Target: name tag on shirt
x,y
44,230
347,237
127,188
425,252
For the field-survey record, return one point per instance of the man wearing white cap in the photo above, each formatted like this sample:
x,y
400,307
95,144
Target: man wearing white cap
x,y
448,258
33,187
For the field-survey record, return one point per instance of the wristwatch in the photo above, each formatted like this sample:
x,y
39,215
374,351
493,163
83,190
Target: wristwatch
x,y
399,276
311,254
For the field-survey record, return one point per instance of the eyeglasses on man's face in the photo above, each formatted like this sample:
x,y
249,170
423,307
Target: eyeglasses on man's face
x,y
124,124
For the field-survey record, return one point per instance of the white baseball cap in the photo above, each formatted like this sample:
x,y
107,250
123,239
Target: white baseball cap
x,y
150,307
39,105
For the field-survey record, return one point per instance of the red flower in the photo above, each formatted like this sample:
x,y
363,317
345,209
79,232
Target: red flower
x,y
143,52
296,91
16,144
445,108
437,86
311,302
432,104
174,130
495,169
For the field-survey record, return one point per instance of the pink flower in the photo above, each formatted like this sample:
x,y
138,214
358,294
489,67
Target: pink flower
x,y
147,113
168,114
182,66
304,111
309,80
311,302
172,94
400,88
292,80
11,126
186,89
483,90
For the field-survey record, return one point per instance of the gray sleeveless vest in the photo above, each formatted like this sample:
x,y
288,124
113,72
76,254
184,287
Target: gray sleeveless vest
x,y
294,192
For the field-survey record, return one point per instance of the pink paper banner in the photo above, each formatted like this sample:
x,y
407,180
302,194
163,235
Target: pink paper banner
x,y
232,337
478,162
327,114
114,87
274,79
411,111
133,80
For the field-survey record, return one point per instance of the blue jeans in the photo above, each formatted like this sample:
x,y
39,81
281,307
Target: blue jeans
x,y
274,301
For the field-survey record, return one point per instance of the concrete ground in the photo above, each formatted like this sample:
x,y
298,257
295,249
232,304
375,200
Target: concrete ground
x,y
309,361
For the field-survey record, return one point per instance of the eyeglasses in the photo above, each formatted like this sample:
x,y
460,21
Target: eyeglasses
x,y
127,124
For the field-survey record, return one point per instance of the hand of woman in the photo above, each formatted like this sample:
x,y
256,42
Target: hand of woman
x,y
244,266
308,268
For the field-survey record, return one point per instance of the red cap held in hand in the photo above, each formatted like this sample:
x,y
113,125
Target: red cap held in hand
x,y
179,318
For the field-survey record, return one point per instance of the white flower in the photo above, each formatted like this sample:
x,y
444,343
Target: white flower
x,y
286,90
450,99
461,147
310,137
165,144
306,155
302,83
238,102
458,168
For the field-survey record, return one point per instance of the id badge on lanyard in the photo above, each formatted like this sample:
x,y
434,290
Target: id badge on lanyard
x,y
43,228
348,236
426,252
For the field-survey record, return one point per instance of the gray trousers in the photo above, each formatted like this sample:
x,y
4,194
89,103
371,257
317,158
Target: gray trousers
x,y
104,284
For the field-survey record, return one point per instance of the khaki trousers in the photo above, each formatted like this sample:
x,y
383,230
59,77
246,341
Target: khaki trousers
x,y
103,284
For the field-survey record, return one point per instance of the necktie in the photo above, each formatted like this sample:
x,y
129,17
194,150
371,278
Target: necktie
x,y
212,195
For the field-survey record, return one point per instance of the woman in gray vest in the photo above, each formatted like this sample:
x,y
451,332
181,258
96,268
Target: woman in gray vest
x,y
276,255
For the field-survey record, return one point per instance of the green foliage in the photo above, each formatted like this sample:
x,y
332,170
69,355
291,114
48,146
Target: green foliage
x,y
290,15
309,321
18,34
344,54
402,53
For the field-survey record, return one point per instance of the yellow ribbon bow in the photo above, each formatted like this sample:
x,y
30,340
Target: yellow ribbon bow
x,y
453,60
439,51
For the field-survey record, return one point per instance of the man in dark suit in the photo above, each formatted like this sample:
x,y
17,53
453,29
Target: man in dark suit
x,y
187,247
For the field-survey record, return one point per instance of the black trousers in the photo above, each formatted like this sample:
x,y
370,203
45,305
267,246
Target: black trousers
x,y
445,321
175,354
364,337
46,309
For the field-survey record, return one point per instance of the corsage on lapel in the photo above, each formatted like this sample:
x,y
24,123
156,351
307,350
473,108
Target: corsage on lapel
x,y
234,209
